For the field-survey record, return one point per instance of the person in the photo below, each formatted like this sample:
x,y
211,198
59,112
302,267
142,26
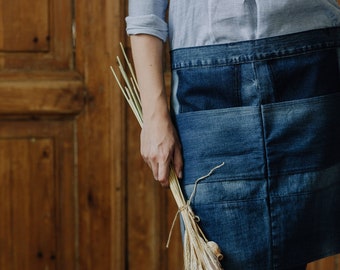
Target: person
x,y
256,85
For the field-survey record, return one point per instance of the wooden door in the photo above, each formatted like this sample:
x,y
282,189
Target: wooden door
x,y
74,192
40,95
61,136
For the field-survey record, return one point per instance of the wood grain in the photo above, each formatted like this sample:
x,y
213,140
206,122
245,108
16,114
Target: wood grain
x,y
37,228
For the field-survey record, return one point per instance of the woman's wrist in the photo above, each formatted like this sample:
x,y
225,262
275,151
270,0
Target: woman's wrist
x,y
155,106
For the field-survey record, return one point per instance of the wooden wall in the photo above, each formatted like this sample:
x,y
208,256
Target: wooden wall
x,y
75,193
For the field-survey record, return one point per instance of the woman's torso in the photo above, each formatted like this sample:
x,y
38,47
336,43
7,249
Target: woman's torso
x,y
197,23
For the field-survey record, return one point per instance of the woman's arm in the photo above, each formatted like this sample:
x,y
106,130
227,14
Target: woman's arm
x,y
160,145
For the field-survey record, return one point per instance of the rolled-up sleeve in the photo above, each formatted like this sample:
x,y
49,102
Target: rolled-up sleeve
x,y
147,17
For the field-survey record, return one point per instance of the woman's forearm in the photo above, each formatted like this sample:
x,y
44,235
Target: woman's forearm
x,y
147,54
160,145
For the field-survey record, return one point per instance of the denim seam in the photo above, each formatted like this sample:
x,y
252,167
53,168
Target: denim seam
x,y
237,80
298,171
277,96
258,86
230,202
279,54
268,191
298,194
260,177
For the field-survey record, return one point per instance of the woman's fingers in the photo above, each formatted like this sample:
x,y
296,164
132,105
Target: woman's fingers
x,y
178,162
163,174
161,169
160,148
161,162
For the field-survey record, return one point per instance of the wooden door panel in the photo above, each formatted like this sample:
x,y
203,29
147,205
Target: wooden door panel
x,y
25,25
37,70
41,93
28,186
37,188
36,35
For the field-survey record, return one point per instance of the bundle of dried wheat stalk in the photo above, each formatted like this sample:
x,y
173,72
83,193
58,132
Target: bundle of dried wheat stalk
x,y
199,253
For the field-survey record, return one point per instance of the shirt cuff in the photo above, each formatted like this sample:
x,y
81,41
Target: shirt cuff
x,y
147,24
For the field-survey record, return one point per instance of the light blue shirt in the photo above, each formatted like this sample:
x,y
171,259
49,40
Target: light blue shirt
x,y
207,22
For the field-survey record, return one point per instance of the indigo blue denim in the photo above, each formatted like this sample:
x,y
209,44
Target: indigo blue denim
x,y
270,110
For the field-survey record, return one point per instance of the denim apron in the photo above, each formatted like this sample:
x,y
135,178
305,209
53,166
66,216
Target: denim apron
x,y
270,110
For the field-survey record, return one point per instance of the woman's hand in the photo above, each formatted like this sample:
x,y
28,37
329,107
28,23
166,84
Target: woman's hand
x,y
160,147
